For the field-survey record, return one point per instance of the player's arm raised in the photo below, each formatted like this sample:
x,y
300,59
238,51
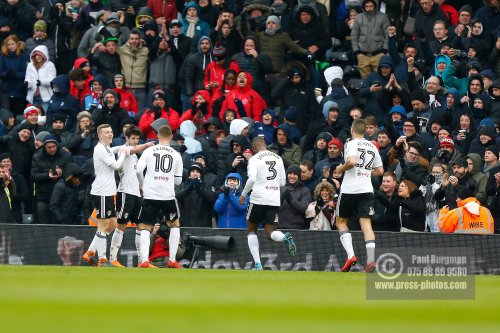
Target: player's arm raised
x,y
140,148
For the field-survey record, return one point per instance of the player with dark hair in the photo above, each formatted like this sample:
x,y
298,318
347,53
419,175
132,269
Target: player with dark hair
x,y
163,167
128,198
356,192
266,175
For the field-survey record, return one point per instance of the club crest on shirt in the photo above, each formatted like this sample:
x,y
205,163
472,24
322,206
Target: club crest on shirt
x,y
172,216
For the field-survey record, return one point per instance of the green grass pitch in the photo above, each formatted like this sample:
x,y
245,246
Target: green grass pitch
x,y
94,300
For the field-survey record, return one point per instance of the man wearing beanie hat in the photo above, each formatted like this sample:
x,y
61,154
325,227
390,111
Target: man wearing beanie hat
x,y
295,197
40,38
275,43
446,153
58,128
158,110
335,156
490,159
453,183
369,37
320,150
111,113
62,102
411,127
195,198
49,162
464,21
64,201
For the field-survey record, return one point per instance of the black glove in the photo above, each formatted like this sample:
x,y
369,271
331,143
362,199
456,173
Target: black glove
x,y
157,111
194,109
196,183
203,107
11,74
38,83
287,196
240,107
226,191
182,149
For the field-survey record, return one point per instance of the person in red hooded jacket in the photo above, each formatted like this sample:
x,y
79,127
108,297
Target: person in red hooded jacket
x,y
245,100
199,112
127,99
220,93
79,93
215,71
159,109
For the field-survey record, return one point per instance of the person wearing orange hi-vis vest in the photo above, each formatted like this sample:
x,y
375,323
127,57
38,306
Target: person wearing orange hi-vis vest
x,y
469,218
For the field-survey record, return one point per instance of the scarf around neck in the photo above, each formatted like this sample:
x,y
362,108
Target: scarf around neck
x,y
192,25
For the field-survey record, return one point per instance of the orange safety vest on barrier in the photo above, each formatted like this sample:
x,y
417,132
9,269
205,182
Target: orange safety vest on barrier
x,y
469,218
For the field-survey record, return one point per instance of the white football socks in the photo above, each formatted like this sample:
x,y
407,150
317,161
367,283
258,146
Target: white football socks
x,y
277,236
346,240
370,250
145,241
138,243
173,242
116,242
253,245
101,244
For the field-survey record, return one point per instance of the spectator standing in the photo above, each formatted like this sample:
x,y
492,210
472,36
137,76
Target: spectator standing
x,y
231,214
39,73
195,199
134,60
369,37
411,207
13,63
295,197
48,165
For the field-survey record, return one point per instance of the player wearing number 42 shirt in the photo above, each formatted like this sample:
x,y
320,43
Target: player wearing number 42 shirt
x,y
356,192
266,175
163,171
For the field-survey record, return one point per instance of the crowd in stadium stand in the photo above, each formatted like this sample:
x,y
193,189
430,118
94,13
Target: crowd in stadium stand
x,y
423,74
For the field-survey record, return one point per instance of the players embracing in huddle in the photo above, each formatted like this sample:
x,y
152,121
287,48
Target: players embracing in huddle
x,y
163,167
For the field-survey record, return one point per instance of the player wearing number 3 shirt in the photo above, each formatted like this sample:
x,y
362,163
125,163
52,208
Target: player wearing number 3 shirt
x,y
163,171
266,175
356,192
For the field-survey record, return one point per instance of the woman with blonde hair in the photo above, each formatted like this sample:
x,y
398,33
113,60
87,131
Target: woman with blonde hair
x,y
39,73
13,61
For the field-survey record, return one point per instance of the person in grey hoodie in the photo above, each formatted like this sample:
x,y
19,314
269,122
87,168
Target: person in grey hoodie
x,y
370,39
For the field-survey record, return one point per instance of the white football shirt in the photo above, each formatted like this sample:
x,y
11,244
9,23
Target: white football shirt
x,y
104,182
163,171
266,175
129,183
358,179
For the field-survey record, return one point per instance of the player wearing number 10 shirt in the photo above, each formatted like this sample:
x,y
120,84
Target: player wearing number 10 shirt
x,y
356,192
266,175
163,171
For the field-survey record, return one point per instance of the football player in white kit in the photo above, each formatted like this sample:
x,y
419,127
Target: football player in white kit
x,y
356,192
103,192
266,175
128,198
163,171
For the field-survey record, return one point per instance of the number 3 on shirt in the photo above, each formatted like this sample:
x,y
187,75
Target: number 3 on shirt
x,y
272,170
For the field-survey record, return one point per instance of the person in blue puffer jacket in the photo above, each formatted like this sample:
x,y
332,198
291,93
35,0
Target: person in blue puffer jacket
x,y
229,211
